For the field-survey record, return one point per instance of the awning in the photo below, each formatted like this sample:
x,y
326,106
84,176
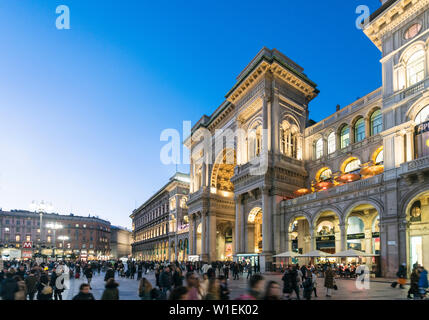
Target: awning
x,y
352,254
316,253
288,254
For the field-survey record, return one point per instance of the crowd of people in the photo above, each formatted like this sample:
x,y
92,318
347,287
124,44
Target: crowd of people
x,y
22,280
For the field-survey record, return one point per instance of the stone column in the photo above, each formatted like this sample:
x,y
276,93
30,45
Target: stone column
x,y
267,232
409,140
312,239
204,255
367,122
211,236
194,235
368,240
238,224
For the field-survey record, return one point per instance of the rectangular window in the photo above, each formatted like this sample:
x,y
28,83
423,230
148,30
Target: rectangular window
x,y
28,238
17,238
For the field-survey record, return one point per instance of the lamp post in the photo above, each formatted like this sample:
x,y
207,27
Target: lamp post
x,y
54,226
63,238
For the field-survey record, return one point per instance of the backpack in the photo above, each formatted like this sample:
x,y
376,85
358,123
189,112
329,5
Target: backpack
x,y
47,289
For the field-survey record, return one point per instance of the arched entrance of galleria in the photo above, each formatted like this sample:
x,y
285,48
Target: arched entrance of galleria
x,y
417,217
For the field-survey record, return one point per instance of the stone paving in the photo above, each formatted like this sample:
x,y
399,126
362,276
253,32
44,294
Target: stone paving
x,y
347,290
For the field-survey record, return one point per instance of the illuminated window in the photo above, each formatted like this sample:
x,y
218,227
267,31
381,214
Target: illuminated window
x,y
416,67
17,238
28,238
376,122
353,165
359,130
331,143
38,230
49,239
6,229
413,31
325,175
319,148
422,116
380,158
255,143
289,140
345,137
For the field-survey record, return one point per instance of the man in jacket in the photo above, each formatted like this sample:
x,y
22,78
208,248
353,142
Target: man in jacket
x,y
9,287
84,293
165,281
31,282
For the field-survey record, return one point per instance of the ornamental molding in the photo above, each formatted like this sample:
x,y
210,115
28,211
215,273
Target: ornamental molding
x,y
392,18
277,70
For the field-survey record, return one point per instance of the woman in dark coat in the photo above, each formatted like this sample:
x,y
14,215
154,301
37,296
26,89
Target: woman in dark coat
x,y
414,288
177,278
111,292
329,281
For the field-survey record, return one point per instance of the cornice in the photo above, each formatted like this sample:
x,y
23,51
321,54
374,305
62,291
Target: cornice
x,y
391,19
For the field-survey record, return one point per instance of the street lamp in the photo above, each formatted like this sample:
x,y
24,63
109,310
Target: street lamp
x,y
63,238
54,226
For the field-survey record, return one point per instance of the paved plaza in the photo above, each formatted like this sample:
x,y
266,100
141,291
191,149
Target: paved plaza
x,y
379,288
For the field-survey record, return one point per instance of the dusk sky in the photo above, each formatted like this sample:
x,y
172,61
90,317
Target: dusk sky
x,y
82,110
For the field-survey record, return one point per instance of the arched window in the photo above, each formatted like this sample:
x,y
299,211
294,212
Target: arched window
x,y
319,148
289,140
416,68
352,165
380,158
345,137
255,142
325,175
422,116
331,143
355,225
376,122
359,130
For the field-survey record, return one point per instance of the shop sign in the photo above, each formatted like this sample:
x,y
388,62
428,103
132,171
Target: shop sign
x,y
422,139
376,234
27,245
356,236
27,254
325,238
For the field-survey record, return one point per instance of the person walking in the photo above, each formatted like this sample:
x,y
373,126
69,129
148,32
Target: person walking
x,y
145,289
402,277
177,278
255,289
290,284
249,271
314,281
165,281
329,281
9,287
84,293
31,282
273,291
111,291
193,286
307,284
423,282
110,274
88,274
414,283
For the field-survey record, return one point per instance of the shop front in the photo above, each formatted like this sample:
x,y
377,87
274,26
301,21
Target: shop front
x,y
252,258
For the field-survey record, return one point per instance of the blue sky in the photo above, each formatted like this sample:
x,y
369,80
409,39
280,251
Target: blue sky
x,y
82,110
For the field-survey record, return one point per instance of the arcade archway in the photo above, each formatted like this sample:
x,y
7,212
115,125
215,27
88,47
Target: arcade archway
x,y
254,231
417,215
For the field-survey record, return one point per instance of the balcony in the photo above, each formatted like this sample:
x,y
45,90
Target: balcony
x,y
335,191
414,169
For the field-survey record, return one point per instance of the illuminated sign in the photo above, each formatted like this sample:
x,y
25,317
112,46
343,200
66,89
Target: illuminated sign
x,y
27,245
422,140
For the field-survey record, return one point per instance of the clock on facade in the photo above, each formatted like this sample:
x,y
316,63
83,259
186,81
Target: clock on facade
x,y
413,31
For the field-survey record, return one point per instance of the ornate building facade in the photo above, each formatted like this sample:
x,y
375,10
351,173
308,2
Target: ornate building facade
x,y
26,234
161,226
357,179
